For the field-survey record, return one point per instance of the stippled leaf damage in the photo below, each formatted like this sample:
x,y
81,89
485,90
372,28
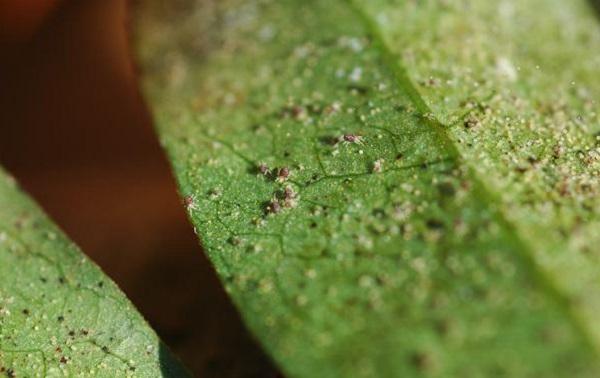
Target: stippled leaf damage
x,y
390,188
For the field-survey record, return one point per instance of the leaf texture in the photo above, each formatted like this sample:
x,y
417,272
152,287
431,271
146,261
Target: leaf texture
x,y
59,314
390,188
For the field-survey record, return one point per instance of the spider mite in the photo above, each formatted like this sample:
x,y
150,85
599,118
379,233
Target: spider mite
x,y
351,138
289,197
273,207
378,166
263,169
283,174
299,113
189,202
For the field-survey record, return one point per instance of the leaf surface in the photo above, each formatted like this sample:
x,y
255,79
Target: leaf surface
x,y
518,93
422,229
59,314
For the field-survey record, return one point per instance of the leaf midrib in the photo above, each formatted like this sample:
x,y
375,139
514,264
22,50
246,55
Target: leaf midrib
x,y
524,248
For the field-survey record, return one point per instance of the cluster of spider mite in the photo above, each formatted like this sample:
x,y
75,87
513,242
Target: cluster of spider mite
x,y
288,198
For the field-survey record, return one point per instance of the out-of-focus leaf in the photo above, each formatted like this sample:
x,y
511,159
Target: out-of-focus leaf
x,y
59,314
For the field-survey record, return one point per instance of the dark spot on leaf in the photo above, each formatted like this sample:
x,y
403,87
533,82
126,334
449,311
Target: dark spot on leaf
x,y
296,112
435,224
20,223
262,169
378,212
362,90
61,318
328,140
471,122
442,326
446,189
421,361
235,240
272,207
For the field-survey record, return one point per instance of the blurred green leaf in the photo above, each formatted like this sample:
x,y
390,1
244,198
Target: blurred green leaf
x,y
440,214
59,314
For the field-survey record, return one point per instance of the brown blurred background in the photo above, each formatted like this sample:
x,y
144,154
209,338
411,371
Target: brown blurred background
x,y
75,133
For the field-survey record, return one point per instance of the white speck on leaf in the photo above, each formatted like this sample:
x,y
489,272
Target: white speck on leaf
x,y
506,69
356,74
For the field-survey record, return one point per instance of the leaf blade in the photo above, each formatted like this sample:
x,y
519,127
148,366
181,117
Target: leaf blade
x,y
536,91
59,314
325,283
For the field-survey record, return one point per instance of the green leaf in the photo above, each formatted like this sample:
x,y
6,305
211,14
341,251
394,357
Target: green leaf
x,y
59,314
518,91
439,214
